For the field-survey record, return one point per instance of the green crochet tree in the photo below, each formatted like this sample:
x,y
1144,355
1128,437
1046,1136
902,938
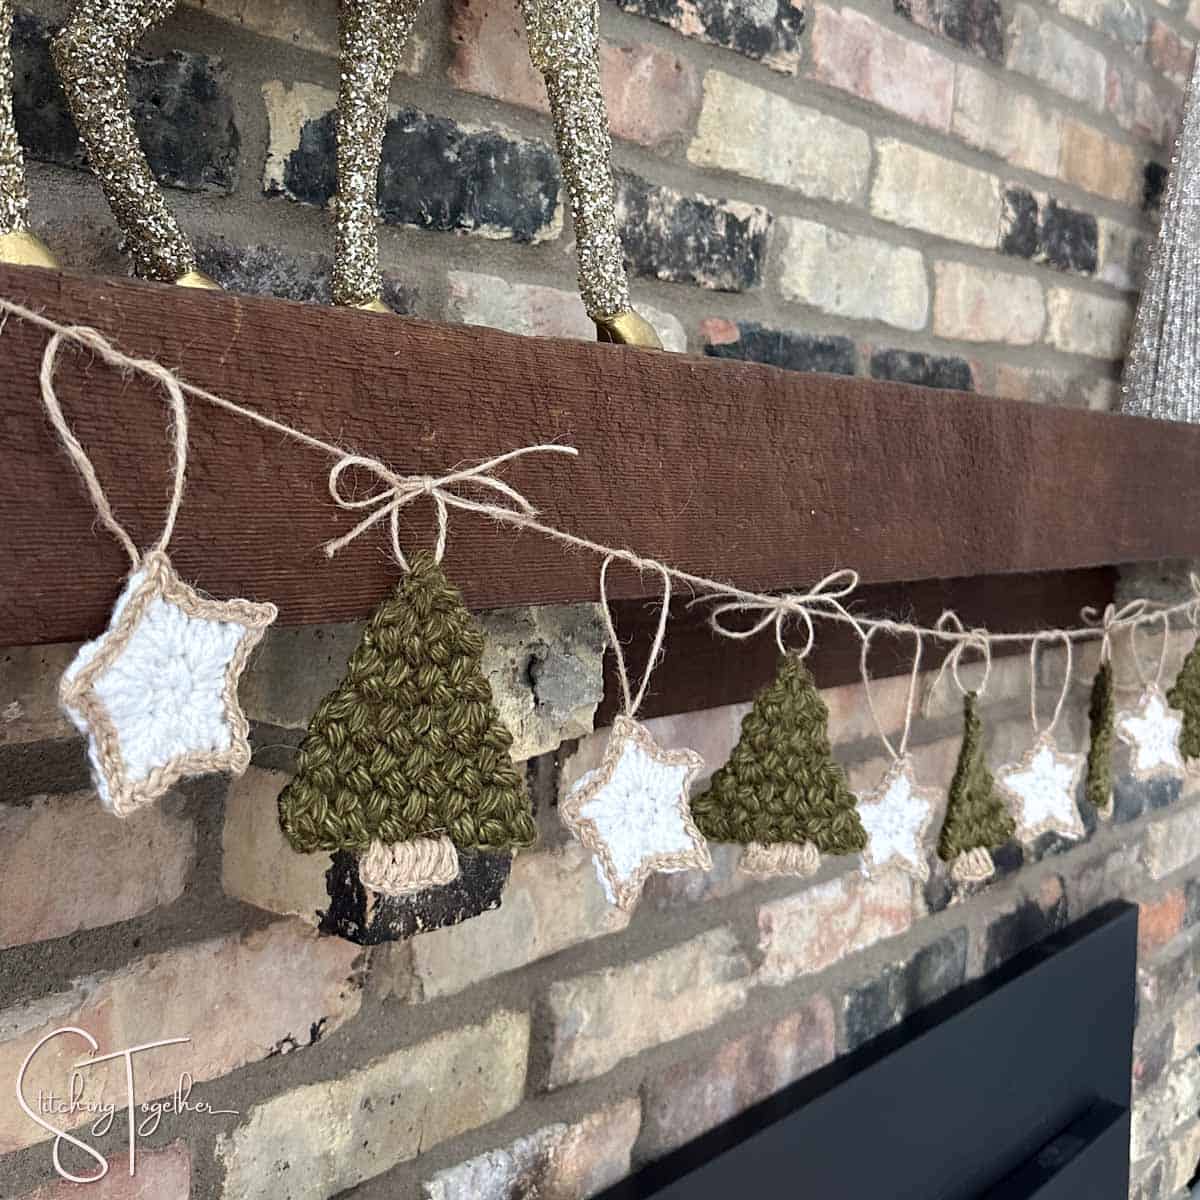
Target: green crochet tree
x,y
977,819
781,793
1102,714
407,758
1185,696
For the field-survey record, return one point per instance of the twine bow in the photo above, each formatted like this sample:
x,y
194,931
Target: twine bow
x,y
827,594
398,491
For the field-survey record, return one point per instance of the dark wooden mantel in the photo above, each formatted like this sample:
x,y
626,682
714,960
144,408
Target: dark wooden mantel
x,y
763,477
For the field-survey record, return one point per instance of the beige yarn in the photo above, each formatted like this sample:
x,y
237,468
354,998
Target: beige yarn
x,y
408,867
973,866
779,858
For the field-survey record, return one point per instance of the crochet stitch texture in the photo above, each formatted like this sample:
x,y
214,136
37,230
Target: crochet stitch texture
x,y
1102,715
1185,696
409,744
781,783
976,817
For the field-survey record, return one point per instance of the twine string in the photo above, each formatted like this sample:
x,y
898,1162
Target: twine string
x,y
1111,619
632,704
825,601
910,704
1038,638
1135,653
973,639
84,336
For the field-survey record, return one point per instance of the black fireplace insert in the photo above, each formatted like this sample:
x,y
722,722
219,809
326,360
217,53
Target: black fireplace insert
x,y
1015,1086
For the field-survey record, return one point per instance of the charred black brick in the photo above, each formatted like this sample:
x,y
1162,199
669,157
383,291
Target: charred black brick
x,y
1028,923
926,370
436,175
181,106
1022,235
792,351
691,239
770,30
1069,238
899,991
367,918
976,25
1154,180
270,271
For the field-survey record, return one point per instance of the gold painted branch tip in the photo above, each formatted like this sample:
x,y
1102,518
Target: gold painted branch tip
x,y
20,248
627,328
198,279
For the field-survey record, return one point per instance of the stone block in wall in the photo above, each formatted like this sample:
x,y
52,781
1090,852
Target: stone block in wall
x,y
557,1162
1160,920
925,370
922,190
1040,229
595,1021
1055,387
1049,53
552,900
1122,20
975,25
1098,163
1083,323
717,244
320,1138
164,1174
305,24
652,95
271,270
1029,919
750,341
814,928
29,709
769,32
686,1100
1124,254
1139,108
435,174
1167,978
856,54
69,865
991,116
1185,1028
848,275
273,989
978,305
535,310
1183,1160
181,103
1151,1057
1164,1109
1173,842
900,989
761,135
1170,55
544,665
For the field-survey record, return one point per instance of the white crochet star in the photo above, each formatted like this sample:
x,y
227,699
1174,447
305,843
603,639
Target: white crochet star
x,y
156,693
1152,730
897,815
633,812
1041,789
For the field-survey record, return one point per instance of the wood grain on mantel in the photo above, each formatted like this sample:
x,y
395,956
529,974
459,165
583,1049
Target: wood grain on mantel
x,y
763,477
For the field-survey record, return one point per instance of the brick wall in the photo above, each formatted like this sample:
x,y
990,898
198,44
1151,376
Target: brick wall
x,y
951,192
551,1045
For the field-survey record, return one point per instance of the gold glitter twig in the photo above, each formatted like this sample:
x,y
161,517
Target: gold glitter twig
x,y
14,196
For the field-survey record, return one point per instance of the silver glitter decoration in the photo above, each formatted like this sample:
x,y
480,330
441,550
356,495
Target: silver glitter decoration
x,y
1162,371
564,44
14,198
92,54
372,35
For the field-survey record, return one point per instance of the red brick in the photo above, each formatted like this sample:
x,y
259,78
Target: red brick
x,y
158,1175
687,1100
652,95
1160,921
69,865
1169,53
853,53
239,998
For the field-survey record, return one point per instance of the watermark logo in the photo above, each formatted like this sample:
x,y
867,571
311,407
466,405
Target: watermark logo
x,y
144,1117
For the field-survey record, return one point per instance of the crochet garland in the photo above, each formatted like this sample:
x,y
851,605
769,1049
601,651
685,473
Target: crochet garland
x,y
1102,718
781,783
976,817
409,746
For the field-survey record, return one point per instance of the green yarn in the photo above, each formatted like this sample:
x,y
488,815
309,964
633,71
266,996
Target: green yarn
x,y
781,783
976,817
1102,713
1185,696
409,744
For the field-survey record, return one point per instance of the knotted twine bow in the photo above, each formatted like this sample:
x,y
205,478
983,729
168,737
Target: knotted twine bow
x,y
399,491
